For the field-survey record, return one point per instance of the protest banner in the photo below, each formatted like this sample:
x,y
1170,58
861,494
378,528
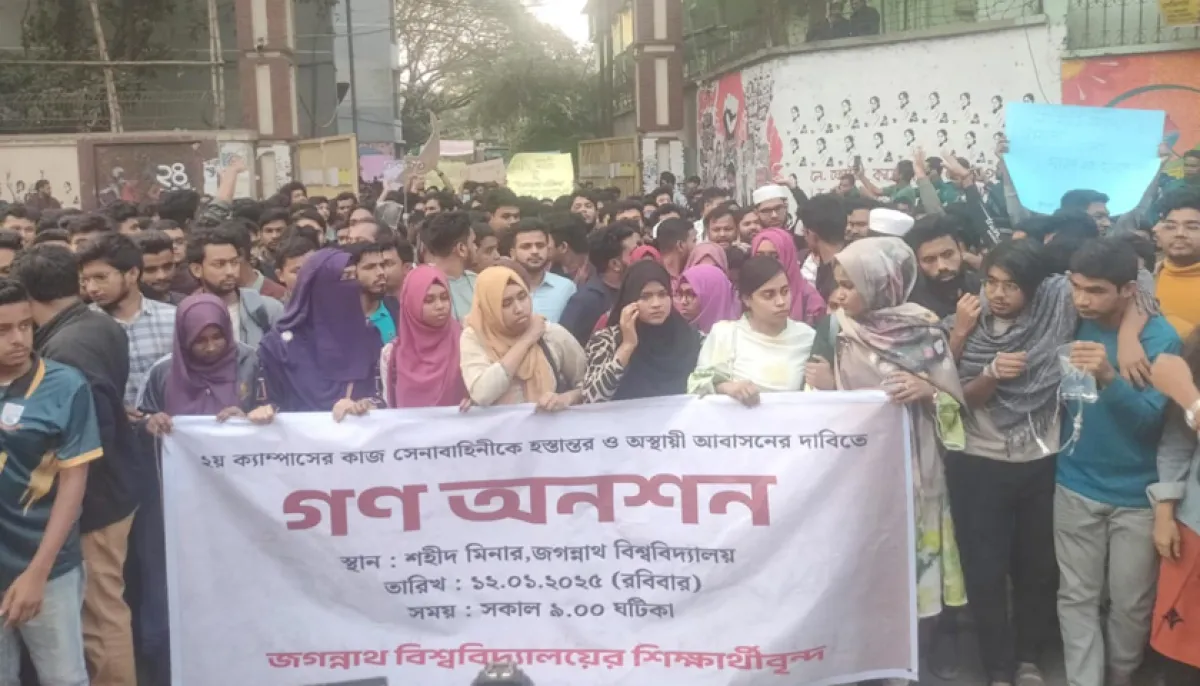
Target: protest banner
x,y
541,175
1058,148
1180,12
491,171
456,173
674,541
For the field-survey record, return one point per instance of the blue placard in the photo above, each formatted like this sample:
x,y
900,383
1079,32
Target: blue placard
x,y
1058,148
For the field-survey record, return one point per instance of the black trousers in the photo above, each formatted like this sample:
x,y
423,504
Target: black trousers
x,y
1004,521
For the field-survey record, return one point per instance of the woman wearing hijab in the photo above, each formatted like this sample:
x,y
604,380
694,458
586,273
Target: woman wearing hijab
x,y
708,253
423,367
705,296
765,350
323,355
509,355
881,340
208,374
651,352
807,304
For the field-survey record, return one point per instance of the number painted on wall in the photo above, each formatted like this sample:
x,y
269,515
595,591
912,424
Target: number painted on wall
x,y
173,176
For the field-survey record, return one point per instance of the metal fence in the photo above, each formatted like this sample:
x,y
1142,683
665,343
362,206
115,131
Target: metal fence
x,y
721,31
87,111
1094,24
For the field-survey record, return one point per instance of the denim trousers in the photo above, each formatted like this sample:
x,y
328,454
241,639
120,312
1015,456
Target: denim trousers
x,y
54,637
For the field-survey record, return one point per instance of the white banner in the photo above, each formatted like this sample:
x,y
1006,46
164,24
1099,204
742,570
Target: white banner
x,y
675,541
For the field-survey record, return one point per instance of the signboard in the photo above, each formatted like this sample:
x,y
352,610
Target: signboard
x,y
541,175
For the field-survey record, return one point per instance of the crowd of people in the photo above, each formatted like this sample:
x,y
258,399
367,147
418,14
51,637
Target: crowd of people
x,y
1048,364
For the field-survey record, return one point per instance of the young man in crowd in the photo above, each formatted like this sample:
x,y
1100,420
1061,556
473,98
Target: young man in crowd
x,y
608,251
626,210
21,219
70,333
85,227
271,225
1178,234
720,226
41,564
945,278
398,261
158,267
771,205
583,204
42,198
367,259
295,192
503,209
291,256
214,258
1103,522
709,199
250,276
824,219
345,202
110,268
11,243
449,245
902,191
528,243
1092,203
569,248
676,238
124,216
858,218
440,201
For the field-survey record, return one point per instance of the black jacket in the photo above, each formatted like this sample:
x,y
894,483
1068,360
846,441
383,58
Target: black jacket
x,y
96,345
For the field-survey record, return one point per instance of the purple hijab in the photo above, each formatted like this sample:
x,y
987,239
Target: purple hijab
x,y
322,349
195,387
718,301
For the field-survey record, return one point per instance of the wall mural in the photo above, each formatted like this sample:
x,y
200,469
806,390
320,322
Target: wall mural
x,y
1168,81
808,116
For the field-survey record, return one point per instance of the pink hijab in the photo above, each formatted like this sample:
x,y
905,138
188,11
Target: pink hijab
x,y
807,304
718,302
712,251
425,369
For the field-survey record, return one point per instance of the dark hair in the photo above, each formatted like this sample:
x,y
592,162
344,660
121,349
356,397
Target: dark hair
x,y
199,240
905,168
287,189
825,215
163,225
661,190
1036,227
19,211
1142,246
725,209
248,209
499,197
11,240
604,244
482,230
1080,199
65,216
152,242
445,200
508,239
1072,223
291,248
344,195
860,202
1112,260
1024,261
404,249
315,200
313,214
306,232
666,177
585,194
692,179
358,250
243,231
12,292
179,206
444,230
274,214
667,209
932,227
712,193
276,200
1180,199
118,251
571,230
40,182
755,272
48,272
671,233
739,213
735,257
626,205
89,223
48,235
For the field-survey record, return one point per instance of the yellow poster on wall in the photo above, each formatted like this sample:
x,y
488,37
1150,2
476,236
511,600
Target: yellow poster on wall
x,y
1180,12
541,175
456,173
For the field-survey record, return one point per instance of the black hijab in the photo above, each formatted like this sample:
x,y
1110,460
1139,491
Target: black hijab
x,y
666,354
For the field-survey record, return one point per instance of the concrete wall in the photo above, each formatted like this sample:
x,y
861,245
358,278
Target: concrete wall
x,y
809,114
26,160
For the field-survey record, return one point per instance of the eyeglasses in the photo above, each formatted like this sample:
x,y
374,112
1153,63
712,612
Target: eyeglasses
x,y
1005,287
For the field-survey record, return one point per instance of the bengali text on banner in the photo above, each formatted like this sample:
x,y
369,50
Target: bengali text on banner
x,y
670,541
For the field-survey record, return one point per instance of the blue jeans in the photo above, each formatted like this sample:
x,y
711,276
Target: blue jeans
x,y
54,637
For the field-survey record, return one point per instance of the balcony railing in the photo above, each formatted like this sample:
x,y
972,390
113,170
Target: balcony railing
x,y
623,83
1095,24
709,46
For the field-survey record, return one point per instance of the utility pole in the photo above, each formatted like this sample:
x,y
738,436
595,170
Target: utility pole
x,y
110,85
353,84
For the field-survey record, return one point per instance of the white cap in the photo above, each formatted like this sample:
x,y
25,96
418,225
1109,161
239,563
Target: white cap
x,y
890,222
770,192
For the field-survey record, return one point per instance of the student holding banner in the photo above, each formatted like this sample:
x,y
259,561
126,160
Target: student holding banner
x,y
423,369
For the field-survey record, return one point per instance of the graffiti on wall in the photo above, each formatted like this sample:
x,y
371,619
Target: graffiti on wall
x,y
22,166
811,116
141,172
1168,81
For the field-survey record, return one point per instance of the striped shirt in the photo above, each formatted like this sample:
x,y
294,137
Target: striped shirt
x,y
151,336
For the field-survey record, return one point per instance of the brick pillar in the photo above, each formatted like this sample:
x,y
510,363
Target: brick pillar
x,y
266,68
658,63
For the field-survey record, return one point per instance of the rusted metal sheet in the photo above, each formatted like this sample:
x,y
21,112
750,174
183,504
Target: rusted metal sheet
x,y
141,169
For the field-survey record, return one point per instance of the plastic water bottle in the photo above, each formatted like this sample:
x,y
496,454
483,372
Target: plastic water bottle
x,y
1076,384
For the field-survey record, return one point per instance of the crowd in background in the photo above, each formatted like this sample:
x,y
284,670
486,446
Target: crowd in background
x,y
1040,507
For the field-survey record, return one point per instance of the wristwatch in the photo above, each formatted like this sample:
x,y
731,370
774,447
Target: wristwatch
x,y
1190,414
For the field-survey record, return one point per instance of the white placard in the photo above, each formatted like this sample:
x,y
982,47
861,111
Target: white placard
x,y
675,541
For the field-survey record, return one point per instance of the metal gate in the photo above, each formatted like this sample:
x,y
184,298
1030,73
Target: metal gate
x,y
611,162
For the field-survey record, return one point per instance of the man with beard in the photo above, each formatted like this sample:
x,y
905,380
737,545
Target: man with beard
x,y
158,266
215,261
1179,277
945,278
371,272
529,245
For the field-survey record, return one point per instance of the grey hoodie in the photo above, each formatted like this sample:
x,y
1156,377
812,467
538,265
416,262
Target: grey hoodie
x,y
258,313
